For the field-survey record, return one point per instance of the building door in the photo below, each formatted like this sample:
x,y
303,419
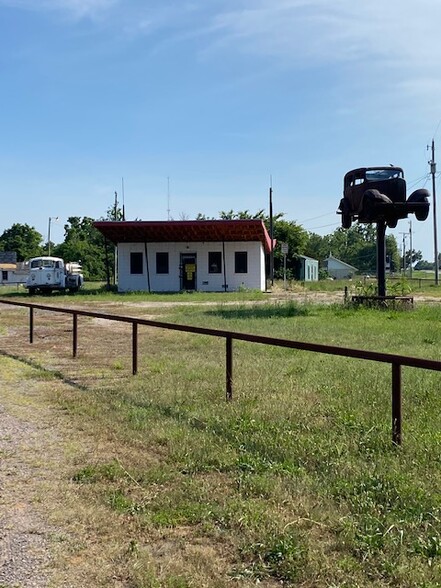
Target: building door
x,y
188,271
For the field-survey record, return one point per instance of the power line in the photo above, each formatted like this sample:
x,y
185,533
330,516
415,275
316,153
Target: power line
x,y
415,182
322,226
316,217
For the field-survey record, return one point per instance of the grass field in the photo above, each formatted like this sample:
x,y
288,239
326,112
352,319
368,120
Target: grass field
x,y
294,483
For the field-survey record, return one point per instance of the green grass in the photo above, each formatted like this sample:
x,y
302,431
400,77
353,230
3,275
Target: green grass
x,y
295,482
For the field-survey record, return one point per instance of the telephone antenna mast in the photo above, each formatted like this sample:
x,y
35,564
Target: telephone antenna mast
x,y
123,205
168,198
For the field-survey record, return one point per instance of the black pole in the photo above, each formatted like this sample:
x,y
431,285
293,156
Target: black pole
x,y
106,245
381,258
396,404
147,266
229,368
224,266
271,236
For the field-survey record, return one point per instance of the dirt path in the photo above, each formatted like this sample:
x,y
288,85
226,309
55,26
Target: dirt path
x,y
39,447
24,553
28,448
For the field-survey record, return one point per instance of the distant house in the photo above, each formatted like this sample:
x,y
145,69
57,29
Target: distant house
x,y
170,256
13,273
338,269
7,271
306,269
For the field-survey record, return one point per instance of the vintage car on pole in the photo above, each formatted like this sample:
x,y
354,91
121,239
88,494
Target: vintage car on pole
x,y
378,194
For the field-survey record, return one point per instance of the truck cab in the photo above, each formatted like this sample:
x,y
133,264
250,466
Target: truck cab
x,y
51,273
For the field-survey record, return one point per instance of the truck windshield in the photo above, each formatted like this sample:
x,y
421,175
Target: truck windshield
x,y
49,263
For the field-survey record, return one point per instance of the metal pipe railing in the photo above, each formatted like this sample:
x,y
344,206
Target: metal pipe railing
x,y
396,361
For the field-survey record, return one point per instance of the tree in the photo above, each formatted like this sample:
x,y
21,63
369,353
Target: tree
x,y
356,246
296,238
26,241
317,246
412,257
82,242
114,212
283,232
424,265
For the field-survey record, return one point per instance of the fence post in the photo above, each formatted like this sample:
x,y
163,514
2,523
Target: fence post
x,y
396,403
75,334
31,324
229,368
134,347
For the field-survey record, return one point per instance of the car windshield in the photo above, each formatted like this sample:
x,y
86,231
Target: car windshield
x,y
376,175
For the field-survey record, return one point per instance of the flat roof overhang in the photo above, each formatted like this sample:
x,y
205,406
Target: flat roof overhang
x,y
185,231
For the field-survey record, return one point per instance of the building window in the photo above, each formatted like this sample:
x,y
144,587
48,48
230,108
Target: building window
x,y
241,262
162,263
4,276
214,262
136,262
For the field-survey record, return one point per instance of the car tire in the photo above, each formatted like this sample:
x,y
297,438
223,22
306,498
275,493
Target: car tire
x,y
346,221
420,196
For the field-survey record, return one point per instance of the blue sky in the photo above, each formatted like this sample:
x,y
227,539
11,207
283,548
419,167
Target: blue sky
x,y
218,96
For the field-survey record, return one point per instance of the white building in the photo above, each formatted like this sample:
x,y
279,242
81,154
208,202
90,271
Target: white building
x,y
339,269
170,256
13,273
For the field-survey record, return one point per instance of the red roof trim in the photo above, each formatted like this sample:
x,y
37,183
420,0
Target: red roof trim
x,y
185,231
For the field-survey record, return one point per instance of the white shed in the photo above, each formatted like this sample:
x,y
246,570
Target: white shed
x,y
171,256
307,269
339,269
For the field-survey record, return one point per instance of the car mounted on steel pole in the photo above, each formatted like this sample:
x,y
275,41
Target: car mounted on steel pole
x,y
378,195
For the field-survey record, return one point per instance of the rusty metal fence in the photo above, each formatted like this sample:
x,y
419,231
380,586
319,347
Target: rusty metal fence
x,y
396,361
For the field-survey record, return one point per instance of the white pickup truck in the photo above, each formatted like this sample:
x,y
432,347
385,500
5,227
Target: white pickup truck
x,y
51,273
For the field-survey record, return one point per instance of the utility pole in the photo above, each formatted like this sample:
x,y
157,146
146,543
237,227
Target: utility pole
x,y
51,218
410,246
404,252
435,239
115,218
271,233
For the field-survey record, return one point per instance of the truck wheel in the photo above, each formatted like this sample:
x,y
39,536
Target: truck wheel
x,y
32,291
73,290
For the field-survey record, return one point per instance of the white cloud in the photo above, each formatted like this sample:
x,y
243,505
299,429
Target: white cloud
x,y
76,9
318,31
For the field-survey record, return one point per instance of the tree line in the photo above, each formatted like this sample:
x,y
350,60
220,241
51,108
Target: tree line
x,y
82,242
